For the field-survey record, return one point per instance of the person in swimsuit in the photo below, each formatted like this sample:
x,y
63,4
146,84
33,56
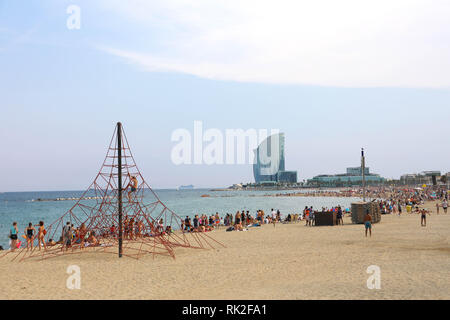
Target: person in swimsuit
x,y
238,219
133,185
41,235
82,234
92,240
29,233
13,236
368,223
423,217
131,228
125,227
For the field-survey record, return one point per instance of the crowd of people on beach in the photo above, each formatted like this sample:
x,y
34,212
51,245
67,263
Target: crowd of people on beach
x,y
411,199
30,234
81,236
242,220
390,200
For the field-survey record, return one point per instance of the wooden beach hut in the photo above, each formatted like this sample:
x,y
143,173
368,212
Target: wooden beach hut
x,y
359,210
325,218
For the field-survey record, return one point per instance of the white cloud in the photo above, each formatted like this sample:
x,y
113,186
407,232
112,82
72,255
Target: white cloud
x,y
349,43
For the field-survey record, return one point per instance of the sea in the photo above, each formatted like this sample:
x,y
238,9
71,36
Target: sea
x,y
23,207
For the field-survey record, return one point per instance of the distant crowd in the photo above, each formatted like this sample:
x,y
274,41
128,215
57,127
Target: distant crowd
x,y
390,200
242,220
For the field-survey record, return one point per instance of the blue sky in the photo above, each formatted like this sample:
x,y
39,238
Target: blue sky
x,y
158,66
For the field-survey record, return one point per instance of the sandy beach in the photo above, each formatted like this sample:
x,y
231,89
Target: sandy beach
x,y
290,261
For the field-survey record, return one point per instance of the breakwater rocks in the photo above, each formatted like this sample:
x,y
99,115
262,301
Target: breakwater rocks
x,y
71,199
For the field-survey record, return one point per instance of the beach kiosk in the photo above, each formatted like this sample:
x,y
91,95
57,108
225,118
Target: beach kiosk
x,y
325,218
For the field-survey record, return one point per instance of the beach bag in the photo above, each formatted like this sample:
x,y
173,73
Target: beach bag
x,y
230,229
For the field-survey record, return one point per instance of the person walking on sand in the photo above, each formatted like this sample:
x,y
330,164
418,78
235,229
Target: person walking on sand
x,y
66,236
133,184
368,223
274,217
445,206
29,233
437,208
13,232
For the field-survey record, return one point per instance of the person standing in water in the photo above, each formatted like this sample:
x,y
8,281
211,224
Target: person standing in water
x,y
133,184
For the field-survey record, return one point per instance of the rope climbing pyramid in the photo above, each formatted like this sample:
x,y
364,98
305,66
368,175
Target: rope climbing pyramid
x,y
118,214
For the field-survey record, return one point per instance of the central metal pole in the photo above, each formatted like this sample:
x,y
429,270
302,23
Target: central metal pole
x,y
363,169
119,181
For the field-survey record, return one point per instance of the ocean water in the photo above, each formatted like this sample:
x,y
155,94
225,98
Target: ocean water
x,y
22,207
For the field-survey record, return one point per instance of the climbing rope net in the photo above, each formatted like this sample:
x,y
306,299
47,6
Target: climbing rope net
x,y
149,227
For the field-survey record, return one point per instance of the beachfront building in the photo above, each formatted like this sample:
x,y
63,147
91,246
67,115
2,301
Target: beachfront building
x,y
425,177
353,177
269,166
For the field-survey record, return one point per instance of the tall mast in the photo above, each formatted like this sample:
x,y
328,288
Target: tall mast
x,y
363,169
119,182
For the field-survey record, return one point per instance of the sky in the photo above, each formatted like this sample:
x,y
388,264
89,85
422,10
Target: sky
x,y
334,76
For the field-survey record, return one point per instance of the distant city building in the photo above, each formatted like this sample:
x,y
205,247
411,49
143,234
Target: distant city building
x,y
351,178
425,177
431,173
287,176
269,166
357,171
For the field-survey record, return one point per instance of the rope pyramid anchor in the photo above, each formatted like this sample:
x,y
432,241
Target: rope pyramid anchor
x,y
111,218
